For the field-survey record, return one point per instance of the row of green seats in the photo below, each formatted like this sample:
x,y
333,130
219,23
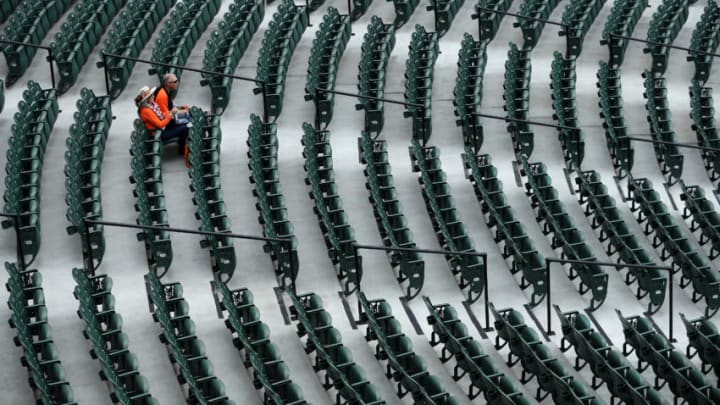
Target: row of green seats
x,y
188,20
670,366
278,46
449,229
578,17
2,94
490,20
608,366
659,117
419,74
263,164
226,47
532,28
564,104
622,20
500,217
252,336
127,37
34,121
702,112
445,12
30,23
538,361
103,328
468,92
331,355
665,26
146,165
406,368
703,341
558,225
703,216
378,43
601,211
29,317
408,266
516,93
83,171
204,157
470,359
359,8
612,113
696,270
186,351
327,50
333,221
7,8
705,38
403,11
79,34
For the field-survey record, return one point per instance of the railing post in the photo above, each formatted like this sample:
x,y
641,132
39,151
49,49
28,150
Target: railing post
x,y
266,112
548,304
487,294
87,246
107,75
358,262
51,59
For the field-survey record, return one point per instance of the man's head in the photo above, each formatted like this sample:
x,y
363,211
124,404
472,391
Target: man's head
x,y
170,82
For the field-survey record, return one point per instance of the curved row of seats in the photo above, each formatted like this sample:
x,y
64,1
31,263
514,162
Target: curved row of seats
x,y
33,123
128,36
408,266
562,84
609,87
608,366
378,43
331,356
516,93
337,232
470,359
670,366
445,12
185,350
490,20
703,341
146,175
226,47
419,74
532,28
29,317
537,361
7,8
602,212
578,17
103,328
263,155
702,113
359,8
648,208
278,45
622,20
204,157
252,336
669,157
500,217
702,215
559,226
327,50
449,228
29,23
705,38
83,171
406,368
177,38
665,26
78,35
403,11
467,95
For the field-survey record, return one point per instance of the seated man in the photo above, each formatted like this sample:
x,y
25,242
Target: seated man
x,y
155,120
165,98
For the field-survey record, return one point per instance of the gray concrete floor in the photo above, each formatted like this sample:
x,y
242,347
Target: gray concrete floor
x,y
125,258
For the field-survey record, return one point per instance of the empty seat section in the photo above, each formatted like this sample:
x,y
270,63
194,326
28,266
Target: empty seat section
x,y
703,217
578,17
612,113
7,8
665,26
622,20
533,28
204,156
408,266
444,13
467,95
403,11
449,228
702,113
659,117
490,20
564,104
705,38
703,341
419,74
516,93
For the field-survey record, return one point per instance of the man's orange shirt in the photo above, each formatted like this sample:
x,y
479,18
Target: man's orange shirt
x,y
162,99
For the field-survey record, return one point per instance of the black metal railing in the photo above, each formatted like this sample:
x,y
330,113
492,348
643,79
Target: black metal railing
x,y
50,57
